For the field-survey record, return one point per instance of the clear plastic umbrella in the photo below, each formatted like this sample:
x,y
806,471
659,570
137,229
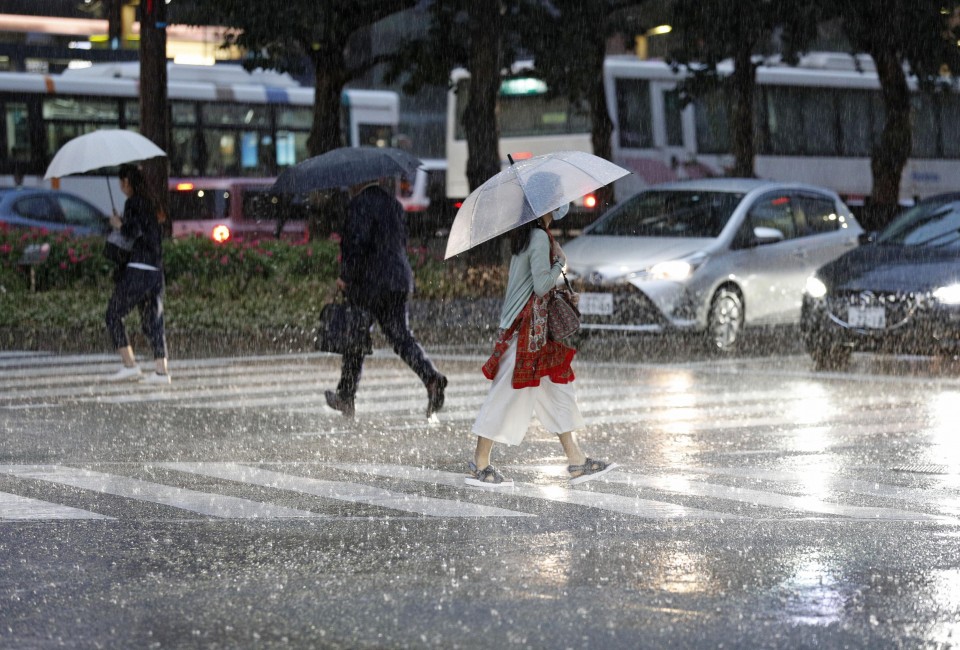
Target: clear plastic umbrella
x,y
524,191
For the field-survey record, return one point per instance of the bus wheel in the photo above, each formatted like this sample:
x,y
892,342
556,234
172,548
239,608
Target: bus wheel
x,y
725,320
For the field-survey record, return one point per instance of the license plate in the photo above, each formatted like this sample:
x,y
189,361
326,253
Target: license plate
x,y
596,304
867,317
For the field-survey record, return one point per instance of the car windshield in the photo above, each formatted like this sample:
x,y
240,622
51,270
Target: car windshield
x,y
924,226
669,213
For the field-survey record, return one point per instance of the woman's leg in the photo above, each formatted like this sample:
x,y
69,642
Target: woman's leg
x,y
151,321
481,457
571,447
127,357
126,294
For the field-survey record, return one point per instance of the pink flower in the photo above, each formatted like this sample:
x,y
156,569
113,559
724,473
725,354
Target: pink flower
x,y
224,260
63,265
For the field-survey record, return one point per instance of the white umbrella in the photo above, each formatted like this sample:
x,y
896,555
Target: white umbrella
x,y
524,191
103,148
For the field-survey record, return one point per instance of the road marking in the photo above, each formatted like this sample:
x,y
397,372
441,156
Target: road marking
x,y
213,505
947,504
17,508
599,500
685,485
343,491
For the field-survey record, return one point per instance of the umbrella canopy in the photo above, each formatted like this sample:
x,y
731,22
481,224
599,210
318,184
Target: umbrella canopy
x,y
524,191
104,148
344,167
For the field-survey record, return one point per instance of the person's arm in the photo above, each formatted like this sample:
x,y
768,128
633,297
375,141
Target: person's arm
x,y
134,214
544,272
354,244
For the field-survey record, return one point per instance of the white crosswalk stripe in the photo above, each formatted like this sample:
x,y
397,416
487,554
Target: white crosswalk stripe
x,y
618,492
204,503
17,508
342,491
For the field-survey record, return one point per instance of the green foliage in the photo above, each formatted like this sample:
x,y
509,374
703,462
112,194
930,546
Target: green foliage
x,y
243,287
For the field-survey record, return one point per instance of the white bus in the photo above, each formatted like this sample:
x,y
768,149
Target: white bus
x,y
224,121
815,123
530,123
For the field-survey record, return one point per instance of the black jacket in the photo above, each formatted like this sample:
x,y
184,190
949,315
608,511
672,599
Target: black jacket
x,y
373,248
140,224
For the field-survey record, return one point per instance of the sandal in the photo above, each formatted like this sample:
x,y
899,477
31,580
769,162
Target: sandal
x,y
590,470
489,476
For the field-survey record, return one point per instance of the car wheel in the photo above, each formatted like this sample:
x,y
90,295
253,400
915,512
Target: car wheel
x,y
830,357
725,321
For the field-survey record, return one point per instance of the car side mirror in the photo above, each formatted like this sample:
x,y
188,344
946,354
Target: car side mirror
x,y
763,235
867,237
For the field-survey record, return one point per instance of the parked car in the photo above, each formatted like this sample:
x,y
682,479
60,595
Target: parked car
x,y
55,210
710,256
898,293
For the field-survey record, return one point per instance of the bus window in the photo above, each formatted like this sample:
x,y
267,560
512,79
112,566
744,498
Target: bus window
x,y
199,204
633,108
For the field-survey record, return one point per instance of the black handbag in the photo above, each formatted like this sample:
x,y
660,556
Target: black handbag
x,y
344,327
117,248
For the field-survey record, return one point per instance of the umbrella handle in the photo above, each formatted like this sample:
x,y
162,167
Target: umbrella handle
x,y
110,192
510,158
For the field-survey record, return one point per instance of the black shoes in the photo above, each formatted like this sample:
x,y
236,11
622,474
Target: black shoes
x,y
342,404
435,390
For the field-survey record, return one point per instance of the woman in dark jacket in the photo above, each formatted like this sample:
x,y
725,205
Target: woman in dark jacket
x,y
140,282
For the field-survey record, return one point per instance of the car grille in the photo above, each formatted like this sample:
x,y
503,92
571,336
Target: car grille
x,y
630,306
898,307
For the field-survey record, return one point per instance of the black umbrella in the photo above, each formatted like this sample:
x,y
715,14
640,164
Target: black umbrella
x,y
344,167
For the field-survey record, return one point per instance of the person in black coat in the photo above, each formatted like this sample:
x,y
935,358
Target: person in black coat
x,y
375,274
140,282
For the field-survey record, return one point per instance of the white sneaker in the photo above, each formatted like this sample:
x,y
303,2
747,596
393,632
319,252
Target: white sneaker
x,y
126,374
155,378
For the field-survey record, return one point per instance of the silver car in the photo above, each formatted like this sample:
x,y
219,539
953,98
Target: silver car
x,y
711,256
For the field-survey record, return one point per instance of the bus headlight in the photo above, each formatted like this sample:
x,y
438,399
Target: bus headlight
x,y
220,233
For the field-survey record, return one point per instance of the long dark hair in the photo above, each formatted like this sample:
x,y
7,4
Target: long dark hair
x,y
138,183
520,236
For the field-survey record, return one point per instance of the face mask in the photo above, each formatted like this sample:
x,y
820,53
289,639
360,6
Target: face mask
x,y
561,212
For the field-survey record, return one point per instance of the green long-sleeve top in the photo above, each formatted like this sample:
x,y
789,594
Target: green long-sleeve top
x,y
530,271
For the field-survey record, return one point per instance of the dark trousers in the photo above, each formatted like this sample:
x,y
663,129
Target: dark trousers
x,y
389,309
143,289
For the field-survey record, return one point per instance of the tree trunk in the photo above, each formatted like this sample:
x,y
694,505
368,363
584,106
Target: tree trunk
x,y
154,118
480,114
890,155
328,86
741,127
602,129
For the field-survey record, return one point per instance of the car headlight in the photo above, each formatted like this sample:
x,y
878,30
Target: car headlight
x,y
948,295
815,288
677,270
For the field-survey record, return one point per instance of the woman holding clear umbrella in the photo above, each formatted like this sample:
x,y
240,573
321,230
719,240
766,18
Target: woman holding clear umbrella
x,y
531,373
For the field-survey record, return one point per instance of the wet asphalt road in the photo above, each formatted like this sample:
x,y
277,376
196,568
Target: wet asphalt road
x,y
758,505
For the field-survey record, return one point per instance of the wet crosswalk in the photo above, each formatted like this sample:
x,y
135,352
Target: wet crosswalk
x,y
725,490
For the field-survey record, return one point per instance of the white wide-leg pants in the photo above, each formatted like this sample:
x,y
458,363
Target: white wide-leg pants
x,y
506,412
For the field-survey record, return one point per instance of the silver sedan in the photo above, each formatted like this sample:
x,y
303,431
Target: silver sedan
x,y
710,256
